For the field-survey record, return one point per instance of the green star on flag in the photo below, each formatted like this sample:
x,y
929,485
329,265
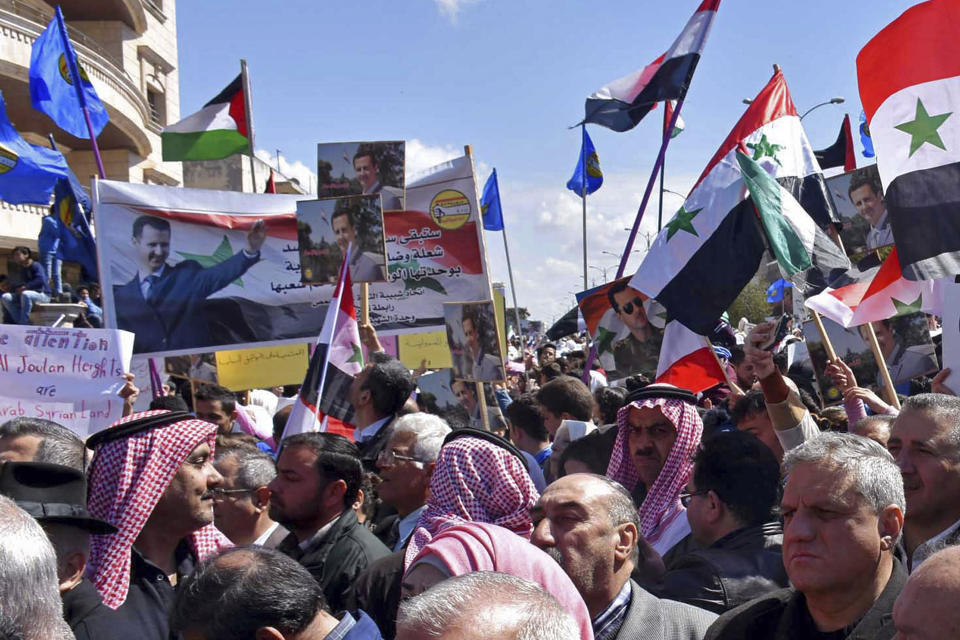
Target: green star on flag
x,y
903,308
683,221
357,355
765,148
222,253
605,340
923,128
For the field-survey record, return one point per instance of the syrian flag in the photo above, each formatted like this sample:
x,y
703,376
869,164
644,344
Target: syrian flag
x,y
679,126
687,360
621,104
709,251
336,359
216,131
840,153
909,76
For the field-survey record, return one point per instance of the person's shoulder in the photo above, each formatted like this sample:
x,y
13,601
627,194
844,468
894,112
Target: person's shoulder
x,y
757,614
362,539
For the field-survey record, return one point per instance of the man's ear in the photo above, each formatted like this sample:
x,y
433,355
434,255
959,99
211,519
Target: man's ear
x,y
889,524
334,493
429,468
233,416
74,566
267,633
261,498
627,538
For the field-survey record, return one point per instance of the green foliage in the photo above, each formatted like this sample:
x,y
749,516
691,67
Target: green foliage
x,y
750,304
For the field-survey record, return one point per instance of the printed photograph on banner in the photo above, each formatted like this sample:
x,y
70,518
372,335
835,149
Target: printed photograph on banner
x,y
906,347
474,344
196,270
850,347
858,195
355,168
442,394
627,326
326,227
198,368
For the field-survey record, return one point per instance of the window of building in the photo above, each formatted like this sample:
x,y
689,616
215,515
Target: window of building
x,y
158,107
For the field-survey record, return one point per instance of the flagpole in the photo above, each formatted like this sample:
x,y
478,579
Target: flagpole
x,y
583,197
74,67
506,251
323,374
663,168
248,108
888,389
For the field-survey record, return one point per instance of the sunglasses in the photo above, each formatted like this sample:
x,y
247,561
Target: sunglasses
x,y
628,308
687,497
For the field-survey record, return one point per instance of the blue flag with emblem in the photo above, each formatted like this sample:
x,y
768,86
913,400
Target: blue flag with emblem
x,y
775,291
27,172
490,204
588,168
72,204
865,138
54,75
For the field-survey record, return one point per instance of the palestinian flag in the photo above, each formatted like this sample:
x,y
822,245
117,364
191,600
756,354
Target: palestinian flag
x,y
712,247
909,76
840,153
687,360
216,131
336,359
621,104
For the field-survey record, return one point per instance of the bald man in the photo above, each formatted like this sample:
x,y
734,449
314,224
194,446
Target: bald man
x,y
927,607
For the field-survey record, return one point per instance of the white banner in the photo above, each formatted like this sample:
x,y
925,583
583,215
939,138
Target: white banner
x,y
951,333
69,376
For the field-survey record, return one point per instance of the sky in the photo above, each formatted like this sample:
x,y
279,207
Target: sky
x,y
509,77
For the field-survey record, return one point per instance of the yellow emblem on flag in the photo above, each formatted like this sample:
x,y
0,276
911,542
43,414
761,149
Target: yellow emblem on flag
x,y
450,209
593,166
8,159
65,71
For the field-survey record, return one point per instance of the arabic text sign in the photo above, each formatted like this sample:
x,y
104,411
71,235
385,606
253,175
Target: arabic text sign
x,y
262,367
70,376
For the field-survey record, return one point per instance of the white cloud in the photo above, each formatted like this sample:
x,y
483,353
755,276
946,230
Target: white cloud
x,y
451,8
296,169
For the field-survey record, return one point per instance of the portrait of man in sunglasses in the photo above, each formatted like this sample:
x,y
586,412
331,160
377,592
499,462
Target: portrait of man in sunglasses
x,y
640,350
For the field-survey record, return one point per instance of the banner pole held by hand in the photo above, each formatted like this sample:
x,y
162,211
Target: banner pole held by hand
x,y
888,389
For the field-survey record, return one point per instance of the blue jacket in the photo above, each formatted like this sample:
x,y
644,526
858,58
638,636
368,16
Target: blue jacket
x,y
363,628
34,278
49,239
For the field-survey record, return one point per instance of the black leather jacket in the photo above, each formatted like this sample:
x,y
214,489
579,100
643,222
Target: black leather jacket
x,y
740,566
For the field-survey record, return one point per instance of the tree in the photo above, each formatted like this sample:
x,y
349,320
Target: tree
x,y
750,304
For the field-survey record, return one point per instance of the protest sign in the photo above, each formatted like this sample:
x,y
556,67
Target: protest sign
x,y
69,376
353,168
474,345
414,348
436,393
325,228
858,196
261,367
849,347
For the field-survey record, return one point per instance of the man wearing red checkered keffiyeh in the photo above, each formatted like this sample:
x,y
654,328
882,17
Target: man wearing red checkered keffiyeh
x,y
151,477
475,480
658,434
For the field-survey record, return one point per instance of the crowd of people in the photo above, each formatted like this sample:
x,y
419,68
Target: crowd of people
x,y
581,511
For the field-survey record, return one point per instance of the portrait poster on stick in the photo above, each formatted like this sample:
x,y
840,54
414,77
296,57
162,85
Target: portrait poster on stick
x,y
474,345
326,227
362,168
858,195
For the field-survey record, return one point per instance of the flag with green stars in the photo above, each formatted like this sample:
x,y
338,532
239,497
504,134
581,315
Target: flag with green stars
x,y
890,294
713,245
909,76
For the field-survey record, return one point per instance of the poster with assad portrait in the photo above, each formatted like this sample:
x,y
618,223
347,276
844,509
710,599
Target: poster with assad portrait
x,y
326,227
858,195
362,168
474,344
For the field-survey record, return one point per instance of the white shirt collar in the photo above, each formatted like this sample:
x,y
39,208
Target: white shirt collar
x,y
259,542
406,527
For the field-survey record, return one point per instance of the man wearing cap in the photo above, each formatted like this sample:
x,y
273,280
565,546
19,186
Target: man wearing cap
x,y
55,496
658,432
152,478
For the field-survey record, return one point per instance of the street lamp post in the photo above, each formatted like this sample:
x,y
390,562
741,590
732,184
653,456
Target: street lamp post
x,y
836,100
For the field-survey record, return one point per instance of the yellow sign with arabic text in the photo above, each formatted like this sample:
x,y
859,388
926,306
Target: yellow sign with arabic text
x,y
414,348
262,367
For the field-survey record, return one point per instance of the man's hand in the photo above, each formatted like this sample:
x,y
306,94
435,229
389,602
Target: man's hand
x,y
761,360
256,236
937,385
129,392
368,337
419,371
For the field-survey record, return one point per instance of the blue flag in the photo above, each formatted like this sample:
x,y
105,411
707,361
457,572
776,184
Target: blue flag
x,y
490,204
588,164
27,172
72,203
865,138
54,70
776,290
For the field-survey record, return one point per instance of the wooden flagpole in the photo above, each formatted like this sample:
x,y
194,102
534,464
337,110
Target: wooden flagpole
x,y
482,403
365,302
248,108
888,389
831,353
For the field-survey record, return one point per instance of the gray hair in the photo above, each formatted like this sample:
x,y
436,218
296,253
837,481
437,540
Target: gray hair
x,y
58,445
430,431
884,421
482,595
29,589
943,408
255,469
875,475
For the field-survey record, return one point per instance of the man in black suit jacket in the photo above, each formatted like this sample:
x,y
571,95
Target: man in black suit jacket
x,y
162,303
377,395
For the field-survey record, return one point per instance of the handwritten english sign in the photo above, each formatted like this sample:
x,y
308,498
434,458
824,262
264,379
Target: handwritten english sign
x,y
69,376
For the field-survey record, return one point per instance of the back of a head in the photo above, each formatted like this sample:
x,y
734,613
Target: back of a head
x,y
504,606
390,384
170,403
216,393
430,431
609,400
566,394
58,445
592,450
743,472
255,468
337,459
29,589
233,594
749,405
524,414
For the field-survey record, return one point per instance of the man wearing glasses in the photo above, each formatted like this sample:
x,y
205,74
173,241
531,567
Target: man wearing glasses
x,y
241,504
639,352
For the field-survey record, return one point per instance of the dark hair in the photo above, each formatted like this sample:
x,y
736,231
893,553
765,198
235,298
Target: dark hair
x,y
865,177
365,151
544,346
567,395
340,213
280,423
780,361
170,403
593,450
24,250
456,416
216,393
389,382
609,400
715,420
149,221
737,355
551,370
370,502
615,289
234,593
742,471
524,414
58,445
636,381
750,404
337,459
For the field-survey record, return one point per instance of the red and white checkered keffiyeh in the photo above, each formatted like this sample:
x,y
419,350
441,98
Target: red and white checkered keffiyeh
x,y
126,481
475,481
663,498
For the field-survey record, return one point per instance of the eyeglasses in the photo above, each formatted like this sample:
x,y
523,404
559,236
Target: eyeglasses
x,y
391,457
687,497
220,494
628,308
